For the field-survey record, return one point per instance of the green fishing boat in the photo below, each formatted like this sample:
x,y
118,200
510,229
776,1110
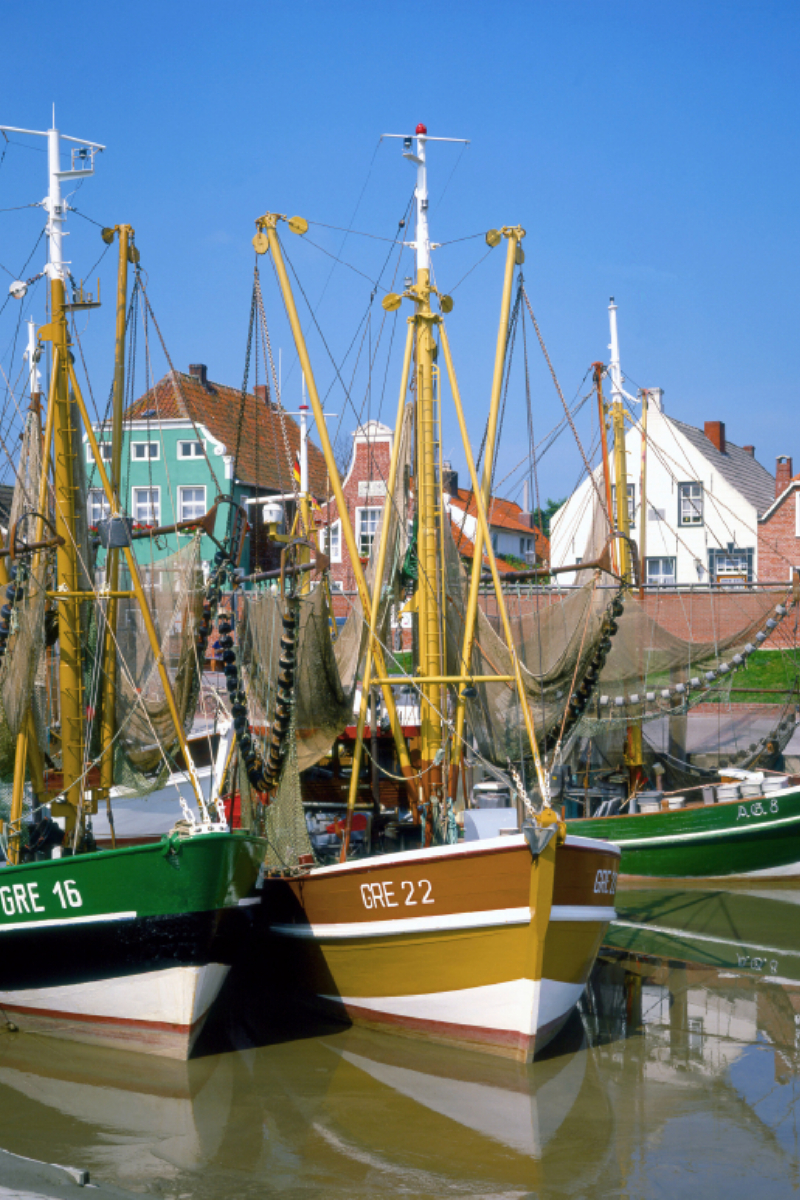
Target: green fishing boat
x,y
744,837
116,946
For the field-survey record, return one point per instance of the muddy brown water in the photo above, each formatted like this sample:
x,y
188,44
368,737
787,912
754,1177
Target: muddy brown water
x,y
678,1076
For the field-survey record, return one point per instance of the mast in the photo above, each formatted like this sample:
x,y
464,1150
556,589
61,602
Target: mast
x,y
620,466
602,413
108,724
428,597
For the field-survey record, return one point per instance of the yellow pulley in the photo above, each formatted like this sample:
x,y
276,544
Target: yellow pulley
x,y
298,225
261,242
493,238
391,302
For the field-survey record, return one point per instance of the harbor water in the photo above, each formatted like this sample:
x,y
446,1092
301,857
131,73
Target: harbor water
x,y
677,1076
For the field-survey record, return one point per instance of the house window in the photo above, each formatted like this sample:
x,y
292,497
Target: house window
x,y
105,452
190,449
690,504
147,505
631,501
191,503
330,541
730,567
98,506
797,514
661,572
367,522
142,451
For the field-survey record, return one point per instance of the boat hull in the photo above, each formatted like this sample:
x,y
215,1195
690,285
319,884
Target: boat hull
x,y
738,839
482,945
126,947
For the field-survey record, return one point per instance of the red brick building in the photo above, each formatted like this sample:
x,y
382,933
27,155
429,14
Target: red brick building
x,y
779,528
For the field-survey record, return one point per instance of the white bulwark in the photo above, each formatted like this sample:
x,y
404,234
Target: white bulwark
x,y
704,496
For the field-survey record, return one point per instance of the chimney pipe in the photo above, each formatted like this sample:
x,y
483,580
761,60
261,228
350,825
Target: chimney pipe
x,y
783,474
715,432
261,391
751,450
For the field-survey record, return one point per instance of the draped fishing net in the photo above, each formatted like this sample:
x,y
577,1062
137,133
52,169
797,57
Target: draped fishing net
x,y
285,823
173,588
26,643
551,640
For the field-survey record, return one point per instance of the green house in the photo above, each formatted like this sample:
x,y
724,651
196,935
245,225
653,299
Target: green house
x,y
188,441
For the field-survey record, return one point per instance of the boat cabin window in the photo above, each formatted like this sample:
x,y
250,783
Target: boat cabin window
x,y
190,449
330,541
99,509
145,450
661,572
147,505
367,521
191,503
690,504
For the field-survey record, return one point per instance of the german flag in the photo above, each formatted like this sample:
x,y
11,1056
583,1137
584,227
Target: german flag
x,y
296,471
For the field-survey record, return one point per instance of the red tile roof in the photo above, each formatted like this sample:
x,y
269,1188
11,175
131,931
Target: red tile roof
x,y
262,460
466,548
505,515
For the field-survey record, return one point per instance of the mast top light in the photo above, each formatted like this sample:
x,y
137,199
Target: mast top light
x,y
421,128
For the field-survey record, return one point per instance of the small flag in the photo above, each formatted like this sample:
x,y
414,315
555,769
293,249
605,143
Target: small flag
x,y
296,471
358,825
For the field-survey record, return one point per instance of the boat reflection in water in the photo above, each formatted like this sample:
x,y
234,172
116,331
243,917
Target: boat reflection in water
x,y
679,1072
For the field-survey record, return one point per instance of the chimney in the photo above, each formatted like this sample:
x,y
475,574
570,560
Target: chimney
x,y
715,432
751,450
261,391
449,480
200,372
783,474
655,398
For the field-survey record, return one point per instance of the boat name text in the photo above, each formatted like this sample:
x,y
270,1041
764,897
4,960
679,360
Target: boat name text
x,y
382,895
605,882
757,809
18,898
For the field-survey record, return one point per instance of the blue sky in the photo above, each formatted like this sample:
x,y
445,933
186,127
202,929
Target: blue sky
x,y
650,151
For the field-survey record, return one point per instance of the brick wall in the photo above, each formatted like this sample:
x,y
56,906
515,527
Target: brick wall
x,y
778,544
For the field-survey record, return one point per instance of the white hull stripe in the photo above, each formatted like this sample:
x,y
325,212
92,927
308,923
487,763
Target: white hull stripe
x,y
582,912
626,843
120,916
444,853
686,935
435,924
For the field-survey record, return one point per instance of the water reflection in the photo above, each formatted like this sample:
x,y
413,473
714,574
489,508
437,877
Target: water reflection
x,y
679,1072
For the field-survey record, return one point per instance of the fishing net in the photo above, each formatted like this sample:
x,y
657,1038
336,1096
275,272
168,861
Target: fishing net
x,y
323,690
173,589
285,823
551,641
26,643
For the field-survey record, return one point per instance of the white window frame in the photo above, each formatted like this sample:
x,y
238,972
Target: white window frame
x,y
191,442
105,452
135,505
146,457
660,578
369,508
332,534
691,501
631,502
797,514
94,497
195,487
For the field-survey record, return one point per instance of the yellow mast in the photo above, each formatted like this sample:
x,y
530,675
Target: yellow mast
x,y
514,236
602,413
108,724
267,239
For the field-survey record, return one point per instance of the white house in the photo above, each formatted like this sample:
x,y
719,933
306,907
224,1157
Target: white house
x,y
704,496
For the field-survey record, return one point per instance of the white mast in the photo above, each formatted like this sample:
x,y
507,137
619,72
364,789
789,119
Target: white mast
x,y
618,392
423,244
53,204
32,358
304,442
